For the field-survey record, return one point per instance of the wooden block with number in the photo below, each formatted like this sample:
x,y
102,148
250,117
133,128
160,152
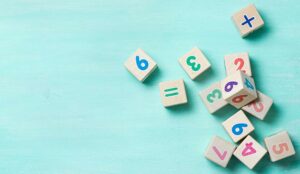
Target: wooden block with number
x,y
212,98
247,20
172,93
259,107
238,89
194,63
279,146
140,64
238,126
237,61
219,151
250,152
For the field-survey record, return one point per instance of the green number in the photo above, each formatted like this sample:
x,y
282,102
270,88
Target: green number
x,y
216,94
195,66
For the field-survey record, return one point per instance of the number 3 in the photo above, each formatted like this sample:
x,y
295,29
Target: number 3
x,y
216,94
195,66
282,146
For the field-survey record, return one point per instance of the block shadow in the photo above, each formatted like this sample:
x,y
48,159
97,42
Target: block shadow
x,y
153,78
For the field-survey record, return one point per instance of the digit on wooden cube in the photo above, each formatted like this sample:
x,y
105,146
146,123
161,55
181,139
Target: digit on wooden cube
x,y
140,64
247,20
238,126
250,152
194,63
279,146
212,98
237,61
259,107
172,93
238,89
219,151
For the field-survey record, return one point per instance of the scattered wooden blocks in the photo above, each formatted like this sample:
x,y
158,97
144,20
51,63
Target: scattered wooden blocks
x,y
140,64
259,107
219,151
212,98
247,20
250,152
238,126
279,146
172,93
238,89
194,63
237,61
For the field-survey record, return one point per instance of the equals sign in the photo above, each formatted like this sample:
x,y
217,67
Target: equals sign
x,y
171,92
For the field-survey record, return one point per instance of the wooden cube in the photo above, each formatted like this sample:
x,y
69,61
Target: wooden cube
x,y
172,93
219,151
140,64
212,98
247,20
237,61
259,107
250,152
238,89
279,146
194,63
238,126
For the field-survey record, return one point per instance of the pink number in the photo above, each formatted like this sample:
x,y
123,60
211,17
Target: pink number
x,y
239,61
239,99
258,106
248,149
221,156
282,146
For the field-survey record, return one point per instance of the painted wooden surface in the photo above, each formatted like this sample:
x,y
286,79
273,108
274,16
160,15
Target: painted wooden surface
x,y
69,106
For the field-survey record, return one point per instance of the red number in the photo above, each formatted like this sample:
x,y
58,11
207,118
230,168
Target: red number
x,y
258,106
282,146
239,99
241,63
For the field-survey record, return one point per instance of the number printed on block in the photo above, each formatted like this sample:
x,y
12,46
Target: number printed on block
x,y
140,64
247,20
172,93
238,89
250,152
212,98
219,151
279,146
194,63
259,107
237,61
238,126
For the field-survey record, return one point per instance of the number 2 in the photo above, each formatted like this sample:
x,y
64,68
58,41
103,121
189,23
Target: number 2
x,y
216,94
195,66
142,64
282,146
241,63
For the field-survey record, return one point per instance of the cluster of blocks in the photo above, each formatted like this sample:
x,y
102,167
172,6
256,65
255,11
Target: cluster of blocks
x,y
237,89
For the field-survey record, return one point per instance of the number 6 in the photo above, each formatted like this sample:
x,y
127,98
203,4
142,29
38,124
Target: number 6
x,y
237,129
142,64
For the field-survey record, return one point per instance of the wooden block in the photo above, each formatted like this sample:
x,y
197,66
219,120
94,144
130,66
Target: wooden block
x,y
172,93
279,146
219,151
237,61
247,20
212,98
194,63
259,107
250,152
238,126
140,64
238,89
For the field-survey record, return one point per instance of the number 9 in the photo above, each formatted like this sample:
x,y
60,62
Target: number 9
x,y
237,129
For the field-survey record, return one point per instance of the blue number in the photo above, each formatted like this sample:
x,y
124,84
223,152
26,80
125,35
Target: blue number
x,y
248,84
237,129
142,64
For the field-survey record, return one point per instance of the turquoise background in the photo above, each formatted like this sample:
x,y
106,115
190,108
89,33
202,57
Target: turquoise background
x,y
69,106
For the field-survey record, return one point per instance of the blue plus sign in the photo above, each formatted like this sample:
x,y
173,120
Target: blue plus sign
x,y
248,21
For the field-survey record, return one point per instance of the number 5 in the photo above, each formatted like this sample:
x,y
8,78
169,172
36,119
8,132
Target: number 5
x,y
281,146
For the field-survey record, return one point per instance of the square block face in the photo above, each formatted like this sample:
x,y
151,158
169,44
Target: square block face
x,y
140,64
238,89
212,98
237,61
250,152
247,20
279,146
238,126
219,151
172,93
259,107
194,63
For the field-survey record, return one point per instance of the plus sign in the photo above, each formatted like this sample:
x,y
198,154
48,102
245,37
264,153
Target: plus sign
x,y
248,21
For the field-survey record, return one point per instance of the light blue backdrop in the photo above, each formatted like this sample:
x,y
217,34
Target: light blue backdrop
x,y
68,106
